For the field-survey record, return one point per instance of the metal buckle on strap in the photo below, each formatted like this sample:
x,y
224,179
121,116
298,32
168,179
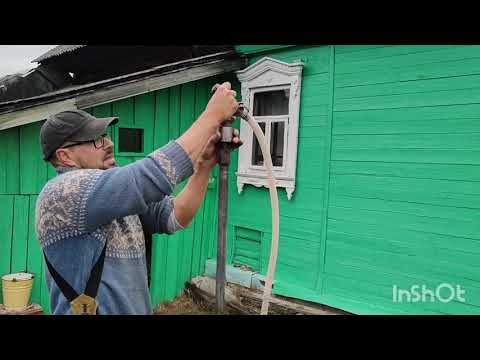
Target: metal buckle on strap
x,y
84,305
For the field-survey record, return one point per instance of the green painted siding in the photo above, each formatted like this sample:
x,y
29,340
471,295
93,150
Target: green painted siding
x,y
404,204
6,229
387,180
10,161
302,218
34,255
247,247
33,170
19,248
20,234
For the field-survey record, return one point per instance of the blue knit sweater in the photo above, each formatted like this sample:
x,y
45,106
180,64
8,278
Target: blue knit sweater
x,y
80,209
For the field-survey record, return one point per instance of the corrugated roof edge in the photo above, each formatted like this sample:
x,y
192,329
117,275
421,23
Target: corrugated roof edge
x,y
57,51
14,105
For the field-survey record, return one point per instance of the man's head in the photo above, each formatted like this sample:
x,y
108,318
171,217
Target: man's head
x,y
74,138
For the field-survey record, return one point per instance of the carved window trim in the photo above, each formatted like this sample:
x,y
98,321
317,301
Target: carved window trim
x,y
266,75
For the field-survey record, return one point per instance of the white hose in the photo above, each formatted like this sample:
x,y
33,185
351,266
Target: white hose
x,y
275,212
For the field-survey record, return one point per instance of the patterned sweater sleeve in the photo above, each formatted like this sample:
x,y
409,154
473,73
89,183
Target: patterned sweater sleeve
x,y
131,189
160,217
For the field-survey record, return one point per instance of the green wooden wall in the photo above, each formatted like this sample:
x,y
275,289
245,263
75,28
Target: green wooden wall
x,y
386,194
22,175
404,204
388,173
302,219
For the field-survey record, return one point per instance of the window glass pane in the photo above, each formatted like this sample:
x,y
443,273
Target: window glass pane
x,y
276,142
270,103
130,140
257,157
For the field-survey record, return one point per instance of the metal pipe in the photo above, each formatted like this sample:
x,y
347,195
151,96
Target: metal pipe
x,y
224,162
221,238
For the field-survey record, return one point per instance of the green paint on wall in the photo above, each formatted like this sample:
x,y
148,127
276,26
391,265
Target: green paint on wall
x,y
33,169
404,201
20,234
9,161
144,118
34,255
158,270
6,231
303,217
387,174
247,247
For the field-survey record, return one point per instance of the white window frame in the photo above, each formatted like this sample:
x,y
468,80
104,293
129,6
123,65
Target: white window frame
x,y
268,75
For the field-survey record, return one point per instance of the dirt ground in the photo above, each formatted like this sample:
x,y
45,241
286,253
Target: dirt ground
x,y
184,305
190,303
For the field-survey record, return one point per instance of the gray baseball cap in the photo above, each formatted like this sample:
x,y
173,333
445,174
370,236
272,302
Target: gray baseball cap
x,y
71,125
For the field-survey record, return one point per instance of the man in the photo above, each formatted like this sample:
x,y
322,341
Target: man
x,y
92,203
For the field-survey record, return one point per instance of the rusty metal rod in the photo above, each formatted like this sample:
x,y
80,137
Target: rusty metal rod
x,y
224,150
221,239
224,162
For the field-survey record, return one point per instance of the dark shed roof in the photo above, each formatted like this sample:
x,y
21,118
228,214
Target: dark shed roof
x,y
231,58
56,51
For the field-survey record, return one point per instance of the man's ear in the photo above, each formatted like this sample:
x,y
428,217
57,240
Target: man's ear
x,y
64,157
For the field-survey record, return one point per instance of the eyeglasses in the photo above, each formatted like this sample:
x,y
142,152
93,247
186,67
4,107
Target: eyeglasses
x,y
97,143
